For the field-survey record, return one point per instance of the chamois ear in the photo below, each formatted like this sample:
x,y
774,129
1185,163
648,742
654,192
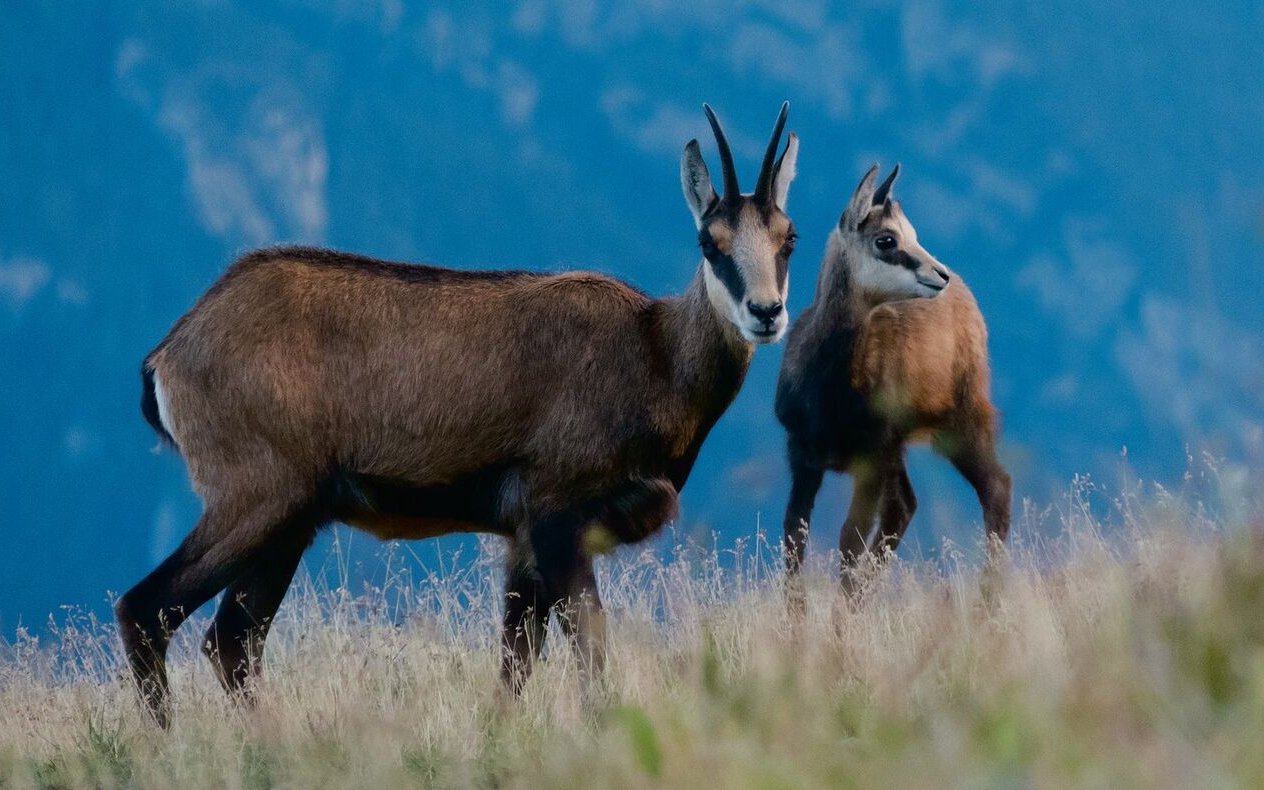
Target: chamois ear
x,y
786,171
695,181
861,202
883,193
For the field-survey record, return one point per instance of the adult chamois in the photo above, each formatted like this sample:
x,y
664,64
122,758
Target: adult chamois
x,y
892,349
309,386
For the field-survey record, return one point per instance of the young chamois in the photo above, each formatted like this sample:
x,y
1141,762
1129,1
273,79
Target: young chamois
x,y
892,349
560,411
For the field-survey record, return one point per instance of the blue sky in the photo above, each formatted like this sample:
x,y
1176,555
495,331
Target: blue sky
x,y
1092,169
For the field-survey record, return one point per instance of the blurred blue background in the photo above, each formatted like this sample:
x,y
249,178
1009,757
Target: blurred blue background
x,y
1094,170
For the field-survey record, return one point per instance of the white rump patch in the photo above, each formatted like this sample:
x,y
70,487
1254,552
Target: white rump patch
x,y
164,414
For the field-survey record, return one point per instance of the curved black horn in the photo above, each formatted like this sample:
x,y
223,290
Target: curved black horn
x,y
763,187
883,191
731,189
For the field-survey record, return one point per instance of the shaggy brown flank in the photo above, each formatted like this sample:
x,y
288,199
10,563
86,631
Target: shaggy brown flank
x,y
414,401
561,411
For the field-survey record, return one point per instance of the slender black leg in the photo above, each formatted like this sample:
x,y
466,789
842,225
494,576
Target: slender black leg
x,y
805,483
583,620
525,622
234,642
553,574
225,542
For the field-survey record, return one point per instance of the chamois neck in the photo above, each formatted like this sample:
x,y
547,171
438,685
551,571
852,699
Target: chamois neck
x,y
838,300
705,349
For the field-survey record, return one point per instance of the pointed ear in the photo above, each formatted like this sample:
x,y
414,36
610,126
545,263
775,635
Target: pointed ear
x,y
696,182
786,171
883,193
861,202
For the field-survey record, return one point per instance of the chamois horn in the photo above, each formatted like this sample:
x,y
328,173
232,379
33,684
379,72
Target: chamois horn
x,y
731,190
763,187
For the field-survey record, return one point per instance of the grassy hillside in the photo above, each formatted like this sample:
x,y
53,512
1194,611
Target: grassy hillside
x,y
1135,659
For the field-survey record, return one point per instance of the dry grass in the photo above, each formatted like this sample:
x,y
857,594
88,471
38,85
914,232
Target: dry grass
x,y
1130,660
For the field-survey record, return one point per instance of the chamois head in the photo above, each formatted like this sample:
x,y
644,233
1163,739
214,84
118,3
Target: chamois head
x,y
879,246
746,239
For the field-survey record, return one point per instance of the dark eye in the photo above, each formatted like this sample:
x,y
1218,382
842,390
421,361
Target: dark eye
x,y
790,240
885,243
708,247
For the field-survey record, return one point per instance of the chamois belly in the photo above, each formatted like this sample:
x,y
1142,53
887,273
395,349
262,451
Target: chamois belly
x,y
912,413
854,427
400,510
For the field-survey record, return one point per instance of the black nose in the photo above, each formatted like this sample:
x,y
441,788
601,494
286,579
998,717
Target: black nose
x,y
766,313
945,275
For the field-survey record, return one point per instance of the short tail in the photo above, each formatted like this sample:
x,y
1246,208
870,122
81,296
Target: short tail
x,y
149,404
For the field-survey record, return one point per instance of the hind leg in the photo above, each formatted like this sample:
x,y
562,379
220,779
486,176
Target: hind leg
x,y
976,461
582,619
853,542
224,544
234,642
526,618
899,503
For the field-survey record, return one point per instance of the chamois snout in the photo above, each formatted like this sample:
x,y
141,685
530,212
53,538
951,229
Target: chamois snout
x,y
771,318
935,280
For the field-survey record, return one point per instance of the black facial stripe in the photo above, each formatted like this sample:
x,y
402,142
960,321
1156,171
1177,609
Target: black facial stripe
x,y
783,265
898,257
783,257
725,270
723,266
